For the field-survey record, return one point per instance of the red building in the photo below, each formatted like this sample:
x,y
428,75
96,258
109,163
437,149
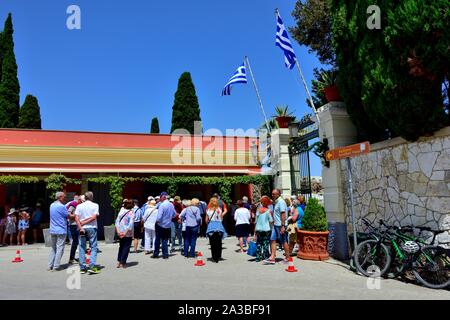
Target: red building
x,y
82,155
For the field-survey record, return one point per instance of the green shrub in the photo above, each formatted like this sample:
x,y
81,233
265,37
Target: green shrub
x,y
314,218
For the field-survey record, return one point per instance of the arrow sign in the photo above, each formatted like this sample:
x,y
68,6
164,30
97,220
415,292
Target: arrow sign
x,y
348,151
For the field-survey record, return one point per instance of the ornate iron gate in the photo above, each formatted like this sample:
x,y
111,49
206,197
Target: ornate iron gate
x,y
299,156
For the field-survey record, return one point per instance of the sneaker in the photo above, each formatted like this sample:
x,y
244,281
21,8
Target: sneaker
x,y
83,271
269,261
93,270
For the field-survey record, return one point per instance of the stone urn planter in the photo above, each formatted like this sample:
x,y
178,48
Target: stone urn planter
x,y
47,237
313,245
110,232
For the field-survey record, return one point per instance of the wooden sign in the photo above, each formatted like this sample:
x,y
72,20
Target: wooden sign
x,y
348,151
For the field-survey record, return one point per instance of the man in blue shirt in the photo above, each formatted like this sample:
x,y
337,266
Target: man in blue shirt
x,y
58,231
279,233
137,234
166,212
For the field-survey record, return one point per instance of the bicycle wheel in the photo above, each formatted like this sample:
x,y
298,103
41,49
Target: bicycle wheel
x,y
432,267
371,257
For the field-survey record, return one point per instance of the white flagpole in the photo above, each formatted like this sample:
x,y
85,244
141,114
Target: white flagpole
x,y
304,82
247,62
307,91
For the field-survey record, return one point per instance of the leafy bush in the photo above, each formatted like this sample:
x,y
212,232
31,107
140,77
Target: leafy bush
x,y
314,218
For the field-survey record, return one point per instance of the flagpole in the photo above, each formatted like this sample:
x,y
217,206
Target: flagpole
x,y
307,91
247,62
303,80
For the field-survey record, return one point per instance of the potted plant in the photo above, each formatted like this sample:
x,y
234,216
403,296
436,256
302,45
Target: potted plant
x,y
283,116
327,84
312,238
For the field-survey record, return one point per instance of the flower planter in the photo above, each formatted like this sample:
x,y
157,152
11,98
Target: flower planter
x,y
313,245
47,237
283,122
332,93
110,232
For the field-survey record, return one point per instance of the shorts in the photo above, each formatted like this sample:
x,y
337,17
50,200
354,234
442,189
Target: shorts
x,y
277,236
137,231
242,230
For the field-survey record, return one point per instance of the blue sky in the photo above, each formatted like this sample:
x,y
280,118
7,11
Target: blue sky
x,y
122,68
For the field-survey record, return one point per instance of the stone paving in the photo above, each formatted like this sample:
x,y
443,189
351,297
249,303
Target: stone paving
x,y
236,277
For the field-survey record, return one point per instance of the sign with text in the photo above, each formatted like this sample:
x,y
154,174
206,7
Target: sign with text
x,y
348,151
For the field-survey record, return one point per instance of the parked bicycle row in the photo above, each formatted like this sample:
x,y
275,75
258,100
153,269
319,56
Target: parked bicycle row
x,y
403,252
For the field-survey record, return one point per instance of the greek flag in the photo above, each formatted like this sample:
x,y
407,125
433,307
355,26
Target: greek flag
x,y
283,42
238,77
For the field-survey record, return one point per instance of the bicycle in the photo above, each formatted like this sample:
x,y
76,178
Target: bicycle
x,y
405,254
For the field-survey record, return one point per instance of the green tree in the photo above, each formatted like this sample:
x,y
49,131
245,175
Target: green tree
x,y
9,85
392,78
30,114
313,28
185,109
155,126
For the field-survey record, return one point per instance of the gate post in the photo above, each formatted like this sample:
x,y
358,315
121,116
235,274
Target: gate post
x,y
336,126
281,161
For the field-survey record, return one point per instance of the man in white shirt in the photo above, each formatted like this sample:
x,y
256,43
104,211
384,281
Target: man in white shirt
x,y
86,215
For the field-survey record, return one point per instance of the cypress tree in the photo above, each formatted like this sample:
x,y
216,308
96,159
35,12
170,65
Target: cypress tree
x,y
9,85
155,126
29,114
185,109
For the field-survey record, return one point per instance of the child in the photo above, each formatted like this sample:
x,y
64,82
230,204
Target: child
x,y
24,224
10,228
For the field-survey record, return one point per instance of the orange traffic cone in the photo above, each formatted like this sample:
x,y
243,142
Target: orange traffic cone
x,y
200,262
88,257
291,267
17,258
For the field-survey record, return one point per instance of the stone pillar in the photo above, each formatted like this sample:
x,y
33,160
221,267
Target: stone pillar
x,y
280,161
336,126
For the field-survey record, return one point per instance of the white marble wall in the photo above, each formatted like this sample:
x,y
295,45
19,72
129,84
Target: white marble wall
x,y
403,183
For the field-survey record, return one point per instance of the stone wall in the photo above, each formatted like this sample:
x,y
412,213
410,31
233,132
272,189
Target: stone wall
x,y
403,183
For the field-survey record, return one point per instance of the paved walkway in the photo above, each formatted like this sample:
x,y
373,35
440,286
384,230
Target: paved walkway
x,y
176,278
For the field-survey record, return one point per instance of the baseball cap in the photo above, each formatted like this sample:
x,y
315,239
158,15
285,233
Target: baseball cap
x,y
163,194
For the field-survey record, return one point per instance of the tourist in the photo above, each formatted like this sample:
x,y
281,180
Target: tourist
x,y
248,206
203,207
192,220
279,233
242,217
125,228
215,231
86,215
166,212
10,227
176,229
149,218
36,222
138,227
23,225
143,209
71,206
263,229
292,226
3,218
302,202
58,231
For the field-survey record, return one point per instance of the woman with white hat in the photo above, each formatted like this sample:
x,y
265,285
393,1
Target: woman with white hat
x,y
149,220
10,228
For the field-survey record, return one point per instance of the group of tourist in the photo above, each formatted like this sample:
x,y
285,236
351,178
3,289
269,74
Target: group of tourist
x,y
163,220
14,224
